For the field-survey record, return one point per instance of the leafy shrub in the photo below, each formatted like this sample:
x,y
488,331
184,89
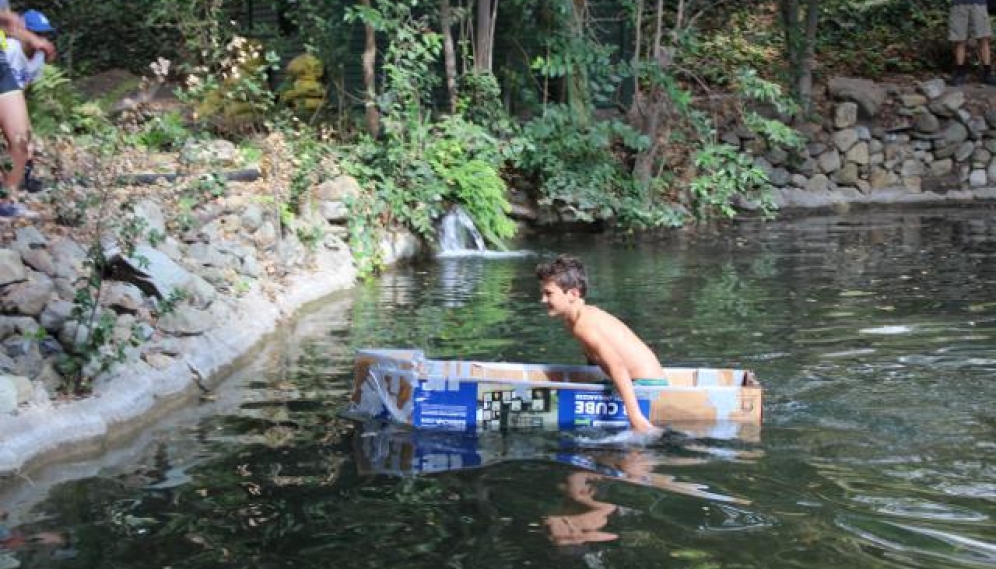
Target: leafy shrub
x,y
164,132
53,103
581,168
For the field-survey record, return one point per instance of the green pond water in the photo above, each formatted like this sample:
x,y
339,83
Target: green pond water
x,y
873,334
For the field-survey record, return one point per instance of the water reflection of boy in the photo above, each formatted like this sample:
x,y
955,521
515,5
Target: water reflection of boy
x,y
586,526
633,466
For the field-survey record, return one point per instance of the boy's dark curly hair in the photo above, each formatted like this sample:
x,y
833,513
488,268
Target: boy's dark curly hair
x,y
565,271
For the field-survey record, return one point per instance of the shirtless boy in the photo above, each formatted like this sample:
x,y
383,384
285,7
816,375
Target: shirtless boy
x,y
606,340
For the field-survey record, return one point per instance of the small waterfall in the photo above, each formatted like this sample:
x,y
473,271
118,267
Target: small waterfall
x,y
458,234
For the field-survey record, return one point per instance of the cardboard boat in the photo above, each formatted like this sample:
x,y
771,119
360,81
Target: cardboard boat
x,y
406,387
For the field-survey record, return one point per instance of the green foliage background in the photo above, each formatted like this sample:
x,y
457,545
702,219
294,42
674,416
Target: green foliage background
x,y
552,119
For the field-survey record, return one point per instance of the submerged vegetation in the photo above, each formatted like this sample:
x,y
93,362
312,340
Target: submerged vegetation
x,y
594,109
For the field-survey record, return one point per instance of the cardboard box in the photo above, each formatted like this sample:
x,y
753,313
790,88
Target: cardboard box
x,y
406,387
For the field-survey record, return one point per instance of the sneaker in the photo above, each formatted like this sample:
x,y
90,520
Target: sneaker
x,y
959,77
32,185
15,210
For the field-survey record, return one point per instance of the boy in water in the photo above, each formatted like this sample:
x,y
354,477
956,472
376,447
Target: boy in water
x,y
606,340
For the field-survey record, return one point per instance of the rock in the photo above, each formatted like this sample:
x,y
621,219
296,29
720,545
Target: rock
x,y
186,321
39,260
219,229
933,88
338,189
941,167
290,251
26,353
858,153
829,161
807,167
27,297
210,153
977,178
990,116
123,298
847,176
778,177
868,95
252,218
913,184
123,329
911,168
158,360
8,395
68,257
777,156
250,266
266,236
845,139
880,178
209,256
55,315
152,215
818,183
815,148
981,157
912,100
976,128
948,104
964,151
29,238
845,115
151,271
333,212
927,122
955,133
11,268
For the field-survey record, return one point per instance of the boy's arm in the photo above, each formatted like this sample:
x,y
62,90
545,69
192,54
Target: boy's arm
x,y
11,22
14,27
614,366
33,43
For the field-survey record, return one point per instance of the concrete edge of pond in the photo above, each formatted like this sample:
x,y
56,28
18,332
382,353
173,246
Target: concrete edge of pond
x,y
39,435
796,201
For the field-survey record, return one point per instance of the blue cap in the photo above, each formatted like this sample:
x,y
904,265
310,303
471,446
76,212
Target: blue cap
x,y
36,22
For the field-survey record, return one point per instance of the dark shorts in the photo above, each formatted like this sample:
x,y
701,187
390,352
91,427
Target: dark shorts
x,y
8,82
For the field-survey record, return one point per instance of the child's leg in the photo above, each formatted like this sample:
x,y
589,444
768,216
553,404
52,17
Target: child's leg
x,y
17,130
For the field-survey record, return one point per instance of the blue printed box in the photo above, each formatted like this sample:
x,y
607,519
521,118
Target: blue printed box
x,y
406,387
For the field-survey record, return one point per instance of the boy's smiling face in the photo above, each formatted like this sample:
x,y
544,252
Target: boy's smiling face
x,y
558,302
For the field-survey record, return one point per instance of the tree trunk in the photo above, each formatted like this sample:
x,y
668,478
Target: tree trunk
x,y
650,107
578,91
800,46
808,62
487,11
369,77
449,54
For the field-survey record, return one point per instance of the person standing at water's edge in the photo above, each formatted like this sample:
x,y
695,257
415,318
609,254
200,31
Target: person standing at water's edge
x,y
606,340
969,19
14,120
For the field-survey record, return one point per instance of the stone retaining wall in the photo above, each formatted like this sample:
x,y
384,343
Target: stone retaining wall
x,y
242,274
885,144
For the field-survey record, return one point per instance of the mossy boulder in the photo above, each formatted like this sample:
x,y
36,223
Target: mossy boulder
x,y
307,90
